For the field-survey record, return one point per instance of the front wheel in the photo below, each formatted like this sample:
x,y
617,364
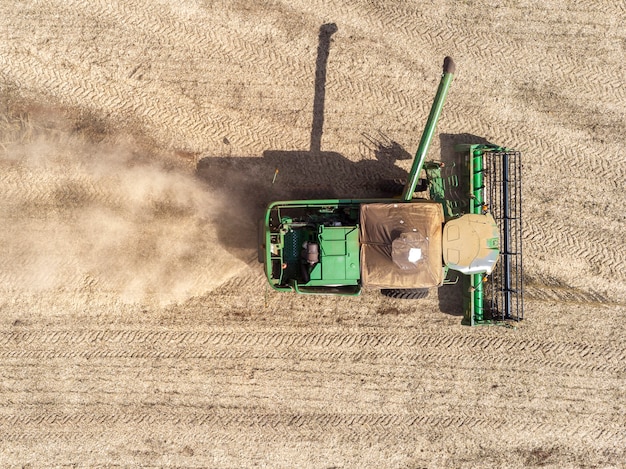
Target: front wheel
x,y
406,293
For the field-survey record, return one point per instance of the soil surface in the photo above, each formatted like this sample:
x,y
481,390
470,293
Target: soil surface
x,y
139,142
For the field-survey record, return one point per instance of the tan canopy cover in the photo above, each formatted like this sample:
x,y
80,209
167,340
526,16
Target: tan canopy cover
x,y
416,228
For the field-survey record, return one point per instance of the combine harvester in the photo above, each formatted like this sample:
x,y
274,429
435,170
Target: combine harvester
x,y
406,245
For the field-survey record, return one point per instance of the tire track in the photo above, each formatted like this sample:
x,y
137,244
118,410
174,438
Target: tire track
x,y
373,347
122,104
566,294
43,189
415,29
273,338
219,44
79,380
540,142
283,424
572,242
344,83
527,363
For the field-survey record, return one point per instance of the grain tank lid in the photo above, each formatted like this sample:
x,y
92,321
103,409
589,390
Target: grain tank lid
x,y
401,245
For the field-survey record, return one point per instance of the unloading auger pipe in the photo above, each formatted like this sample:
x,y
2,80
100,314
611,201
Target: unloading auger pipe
x,y
429,130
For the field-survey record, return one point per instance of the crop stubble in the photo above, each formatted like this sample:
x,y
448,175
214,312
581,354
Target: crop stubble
x,y
140,141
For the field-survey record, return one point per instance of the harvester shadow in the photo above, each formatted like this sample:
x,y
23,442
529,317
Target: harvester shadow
x,y
245,185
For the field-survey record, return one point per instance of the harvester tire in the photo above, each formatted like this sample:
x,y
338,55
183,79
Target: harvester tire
x,y
406,293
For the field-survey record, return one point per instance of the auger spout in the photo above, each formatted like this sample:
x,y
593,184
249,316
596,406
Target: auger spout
x,y
429,130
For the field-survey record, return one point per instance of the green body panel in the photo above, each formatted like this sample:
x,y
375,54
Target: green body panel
x,y
339,256
473,285
333,225
443,187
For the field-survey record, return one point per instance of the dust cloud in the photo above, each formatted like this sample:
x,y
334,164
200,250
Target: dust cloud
x,y
104,216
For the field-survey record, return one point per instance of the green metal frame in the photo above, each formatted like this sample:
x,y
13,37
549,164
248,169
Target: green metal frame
x,y
349,286
474,302
474,285
429,129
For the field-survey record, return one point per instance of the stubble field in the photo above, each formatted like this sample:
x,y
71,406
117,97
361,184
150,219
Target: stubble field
x,y
138,144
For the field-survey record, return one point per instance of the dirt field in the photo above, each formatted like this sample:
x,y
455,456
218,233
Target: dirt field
x,y
138,144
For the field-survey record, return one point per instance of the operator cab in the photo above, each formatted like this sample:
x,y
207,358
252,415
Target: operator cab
x,y
471,244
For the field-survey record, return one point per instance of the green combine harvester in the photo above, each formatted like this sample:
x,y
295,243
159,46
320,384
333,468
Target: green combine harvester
x,y
468,229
